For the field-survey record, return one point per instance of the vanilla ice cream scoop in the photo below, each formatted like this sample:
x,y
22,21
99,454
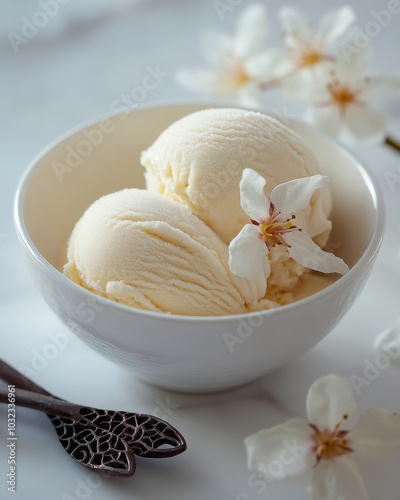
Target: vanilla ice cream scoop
x,y
147,251
198,161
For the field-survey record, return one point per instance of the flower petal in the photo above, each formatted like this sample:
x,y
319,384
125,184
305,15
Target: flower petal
x,y
281,451
329,399
310,83
292,196
377,433
216,48
252,197
270,64
325,118
294,22
304,251
199,80
334,24
351,66
377,86
249,95
252,30
337,479
365,122
217,84
248,254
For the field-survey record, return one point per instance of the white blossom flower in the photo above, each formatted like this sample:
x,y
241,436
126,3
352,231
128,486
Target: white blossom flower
x,y
339,97
325,442
273,223
307,49
234,72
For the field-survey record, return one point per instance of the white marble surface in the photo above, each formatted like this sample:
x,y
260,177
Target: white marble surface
x,y
57,80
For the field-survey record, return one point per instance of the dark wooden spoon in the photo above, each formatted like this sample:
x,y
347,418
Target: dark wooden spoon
x,y
104,440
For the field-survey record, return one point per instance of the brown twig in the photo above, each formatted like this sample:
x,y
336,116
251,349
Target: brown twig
x,y
392,144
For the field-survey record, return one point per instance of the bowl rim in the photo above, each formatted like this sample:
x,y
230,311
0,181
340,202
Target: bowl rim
x,y
368,254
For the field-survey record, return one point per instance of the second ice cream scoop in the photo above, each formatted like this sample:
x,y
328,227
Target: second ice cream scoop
x,y
144,250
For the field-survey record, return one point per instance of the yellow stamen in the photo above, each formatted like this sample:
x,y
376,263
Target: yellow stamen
x,y
240,76
342,95
310,58
272,230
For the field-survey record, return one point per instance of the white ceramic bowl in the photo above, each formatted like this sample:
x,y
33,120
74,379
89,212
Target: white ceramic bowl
x,y
183,352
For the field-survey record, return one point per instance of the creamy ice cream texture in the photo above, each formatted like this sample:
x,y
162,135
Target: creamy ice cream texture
x,y
198,161
165,249
149,252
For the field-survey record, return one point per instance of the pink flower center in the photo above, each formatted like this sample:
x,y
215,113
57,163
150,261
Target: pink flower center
x,y
329,444
272,230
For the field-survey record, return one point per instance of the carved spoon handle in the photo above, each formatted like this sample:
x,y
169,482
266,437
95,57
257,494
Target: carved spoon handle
x,y
110,439
12,376
40,402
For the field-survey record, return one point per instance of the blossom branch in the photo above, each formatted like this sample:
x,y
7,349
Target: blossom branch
x,y
391,143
